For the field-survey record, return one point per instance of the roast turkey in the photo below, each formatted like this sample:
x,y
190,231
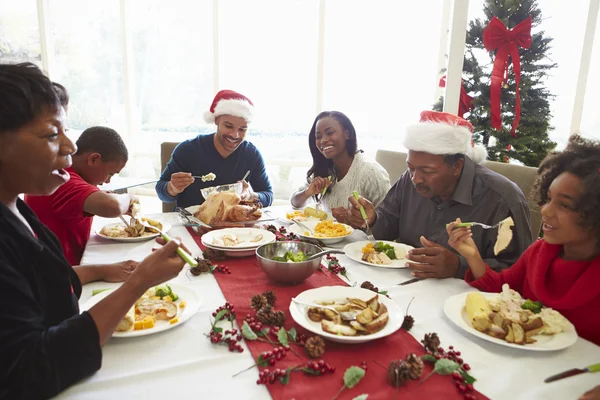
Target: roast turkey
x,y
228,207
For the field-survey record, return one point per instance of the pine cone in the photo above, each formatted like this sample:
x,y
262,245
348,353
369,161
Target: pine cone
x,y
212,254
271,297
408,323
268,316
315,346
415,365
431,342
257,302
398,373
368,285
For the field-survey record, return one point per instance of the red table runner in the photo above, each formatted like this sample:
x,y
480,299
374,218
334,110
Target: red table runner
x,y
247,279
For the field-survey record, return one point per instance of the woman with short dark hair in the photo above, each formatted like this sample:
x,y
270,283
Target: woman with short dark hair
x,y
46,345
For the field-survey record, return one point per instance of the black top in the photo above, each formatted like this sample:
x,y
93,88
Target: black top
x,y
45,344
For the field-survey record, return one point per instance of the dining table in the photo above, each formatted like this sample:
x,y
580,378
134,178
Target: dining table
x,y
182,363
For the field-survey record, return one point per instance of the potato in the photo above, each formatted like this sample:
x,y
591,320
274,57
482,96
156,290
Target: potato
x,y
478,310
382,309
533,323
315,314
499,321
358,302
510,336
356,325
377,324
329,314
519,333
337,329
366,316
373,303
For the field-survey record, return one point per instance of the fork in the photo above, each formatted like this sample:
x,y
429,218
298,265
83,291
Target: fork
x,y
318,204
468,224
370,236
188,219
345,315
301,225
180,251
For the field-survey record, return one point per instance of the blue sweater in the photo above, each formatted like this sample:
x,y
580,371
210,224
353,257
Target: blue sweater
x,y
199,156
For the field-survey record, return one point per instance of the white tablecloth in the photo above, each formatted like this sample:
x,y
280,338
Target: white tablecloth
x,y
182,364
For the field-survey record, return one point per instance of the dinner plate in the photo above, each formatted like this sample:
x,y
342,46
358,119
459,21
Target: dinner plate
x,y
455,310
266,217
213,238
192,304
165,229
354,251
284,217
325,240
340,293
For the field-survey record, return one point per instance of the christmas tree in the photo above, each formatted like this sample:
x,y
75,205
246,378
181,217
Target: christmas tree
x,y
532,143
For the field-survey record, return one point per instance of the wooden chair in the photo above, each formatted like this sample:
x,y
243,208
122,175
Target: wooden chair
x,y
166,150
394,163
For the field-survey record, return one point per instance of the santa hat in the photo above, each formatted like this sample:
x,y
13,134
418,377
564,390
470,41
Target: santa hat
x,y
443,133
230,103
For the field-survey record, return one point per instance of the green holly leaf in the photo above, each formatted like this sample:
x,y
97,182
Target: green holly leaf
x,y
282,337
263,332
310,371
443,366
361,397
216,329
286,378
468,378
262,362
384,292
220,315
247,332
429,358
352,376
293,334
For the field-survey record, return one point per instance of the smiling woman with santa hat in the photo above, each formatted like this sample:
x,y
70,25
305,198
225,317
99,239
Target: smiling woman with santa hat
x,y
224,153
444,181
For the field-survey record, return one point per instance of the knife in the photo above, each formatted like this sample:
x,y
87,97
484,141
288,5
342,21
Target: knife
x,y
573,372
408,282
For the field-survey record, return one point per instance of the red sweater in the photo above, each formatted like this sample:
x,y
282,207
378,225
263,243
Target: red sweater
x,y
570,287
63,213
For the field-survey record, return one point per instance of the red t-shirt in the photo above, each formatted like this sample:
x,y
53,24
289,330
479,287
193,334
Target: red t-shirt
x,y
63,213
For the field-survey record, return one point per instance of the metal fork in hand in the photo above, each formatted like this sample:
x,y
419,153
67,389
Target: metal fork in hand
x,y
370,236
468,224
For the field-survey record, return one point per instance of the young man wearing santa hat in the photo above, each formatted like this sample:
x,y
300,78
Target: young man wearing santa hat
x,y
445,181
224,153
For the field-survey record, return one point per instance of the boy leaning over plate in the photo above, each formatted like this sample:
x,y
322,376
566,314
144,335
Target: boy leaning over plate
x,y
69,212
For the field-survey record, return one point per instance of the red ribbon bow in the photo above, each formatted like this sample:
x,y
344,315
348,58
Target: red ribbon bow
x,y
498,36
466,101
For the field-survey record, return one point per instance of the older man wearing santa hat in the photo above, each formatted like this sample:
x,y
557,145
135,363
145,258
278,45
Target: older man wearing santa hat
x,y
444,181
224,153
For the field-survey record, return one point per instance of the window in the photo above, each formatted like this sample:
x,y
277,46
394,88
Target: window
x,y
381,66
19,32
590,121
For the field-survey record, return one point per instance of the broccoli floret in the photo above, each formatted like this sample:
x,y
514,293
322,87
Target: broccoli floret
x,y
174,296
391,253
161,291
534,306
280,259
298,257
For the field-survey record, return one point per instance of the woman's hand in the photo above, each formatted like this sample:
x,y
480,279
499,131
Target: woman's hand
x,y
461,240
119,272
317,185
163,264
593,394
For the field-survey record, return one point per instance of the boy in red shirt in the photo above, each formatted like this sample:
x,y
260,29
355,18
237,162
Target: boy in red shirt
x,y
101,153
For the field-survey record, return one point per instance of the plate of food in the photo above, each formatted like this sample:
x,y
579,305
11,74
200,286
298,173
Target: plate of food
x,y
161,308
367,315
509,320
304,215
227,210
237,238
135,232
327,231
384,254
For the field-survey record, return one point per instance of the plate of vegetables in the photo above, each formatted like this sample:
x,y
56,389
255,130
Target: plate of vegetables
x,y
383,254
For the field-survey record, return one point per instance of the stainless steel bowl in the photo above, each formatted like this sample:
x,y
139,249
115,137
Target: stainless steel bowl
x,y
287,272
233,187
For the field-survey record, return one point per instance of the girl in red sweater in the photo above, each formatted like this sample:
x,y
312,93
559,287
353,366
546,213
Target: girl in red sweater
x,y
561,270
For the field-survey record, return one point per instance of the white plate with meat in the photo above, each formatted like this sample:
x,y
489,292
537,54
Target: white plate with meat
x,y
118,233
237,238
355,252
185,307
455,310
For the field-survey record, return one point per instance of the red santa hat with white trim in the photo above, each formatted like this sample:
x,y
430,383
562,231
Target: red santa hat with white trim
x,y
444,134
229,102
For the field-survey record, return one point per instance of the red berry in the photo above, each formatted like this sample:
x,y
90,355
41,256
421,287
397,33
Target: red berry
x,y
322,363
272,361
462,388
466,367
437,356
456,375
323,371
469,387
457,353
450,347
459,360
